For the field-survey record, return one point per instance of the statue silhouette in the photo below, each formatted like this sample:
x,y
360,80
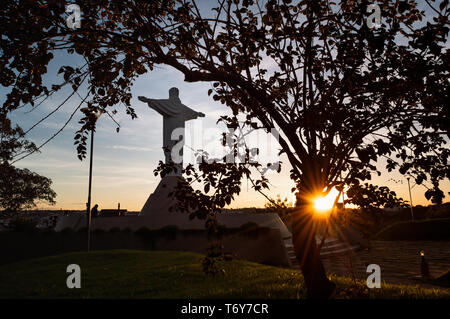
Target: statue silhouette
x,y
175,114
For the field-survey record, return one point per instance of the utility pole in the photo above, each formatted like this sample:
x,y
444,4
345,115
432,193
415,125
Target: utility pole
x,y
410,200
88,208
88,204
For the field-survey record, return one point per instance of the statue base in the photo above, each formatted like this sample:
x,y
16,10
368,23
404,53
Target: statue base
x,y
159,202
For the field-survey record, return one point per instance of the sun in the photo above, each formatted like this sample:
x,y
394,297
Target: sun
x,y
324,204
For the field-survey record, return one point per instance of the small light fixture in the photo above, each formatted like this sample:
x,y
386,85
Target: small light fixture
x,y
424,270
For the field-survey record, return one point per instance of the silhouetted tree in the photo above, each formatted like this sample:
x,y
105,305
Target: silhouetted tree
x,y
341,95
19,188
373,199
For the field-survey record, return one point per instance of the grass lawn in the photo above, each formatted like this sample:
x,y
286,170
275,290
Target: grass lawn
x,y
169,274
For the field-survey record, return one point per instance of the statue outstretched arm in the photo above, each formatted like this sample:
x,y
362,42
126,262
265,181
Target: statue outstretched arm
x,y
190,114
163,107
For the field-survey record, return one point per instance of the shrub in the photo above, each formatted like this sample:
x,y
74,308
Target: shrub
x,y
432,229
22,225
442,211
67,230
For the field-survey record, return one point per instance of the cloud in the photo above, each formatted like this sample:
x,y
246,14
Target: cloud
x,y
134,148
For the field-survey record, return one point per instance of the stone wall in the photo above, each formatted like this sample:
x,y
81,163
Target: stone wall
x,y
261,245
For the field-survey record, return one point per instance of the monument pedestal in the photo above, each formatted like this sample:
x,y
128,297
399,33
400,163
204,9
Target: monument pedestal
x,y
159,202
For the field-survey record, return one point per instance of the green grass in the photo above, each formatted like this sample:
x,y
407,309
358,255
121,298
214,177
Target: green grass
x,y
164,274
430,229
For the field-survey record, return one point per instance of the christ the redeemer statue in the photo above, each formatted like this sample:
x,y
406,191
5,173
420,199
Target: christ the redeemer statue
x,y
175,114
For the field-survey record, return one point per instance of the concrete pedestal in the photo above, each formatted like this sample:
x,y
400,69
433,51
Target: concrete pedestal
x,y
159,202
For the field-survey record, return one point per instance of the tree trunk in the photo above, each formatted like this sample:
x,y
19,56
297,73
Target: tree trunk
x,y
307,252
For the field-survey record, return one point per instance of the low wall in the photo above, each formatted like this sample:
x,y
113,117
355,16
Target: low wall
x,y
261,245
182,221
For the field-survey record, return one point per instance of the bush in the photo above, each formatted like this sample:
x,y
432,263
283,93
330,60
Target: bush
x,y
22,225
169,229
145,234
67,230
433,229
442,211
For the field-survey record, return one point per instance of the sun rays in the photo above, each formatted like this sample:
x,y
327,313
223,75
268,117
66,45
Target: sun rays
x,y
324,204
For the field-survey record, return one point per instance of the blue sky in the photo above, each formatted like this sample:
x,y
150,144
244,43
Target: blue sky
x,y
124,161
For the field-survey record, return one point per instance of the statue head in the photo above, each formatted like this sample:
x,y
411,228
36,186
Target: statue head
x,y
173,93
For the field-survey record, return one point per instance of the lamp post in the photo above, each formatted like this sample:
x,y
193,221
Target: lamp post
x,y
88,204
410,200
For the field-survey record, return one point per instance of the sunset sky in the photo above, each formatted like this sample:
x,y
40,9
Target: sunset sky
x,y
124,161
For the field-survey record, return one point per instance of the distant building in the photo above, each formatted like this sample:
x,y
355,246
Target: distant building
x,y
112,212
394,209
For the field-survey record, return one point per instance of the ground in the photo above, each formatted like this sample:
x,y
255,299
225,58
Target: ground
x,y
399,261
163,274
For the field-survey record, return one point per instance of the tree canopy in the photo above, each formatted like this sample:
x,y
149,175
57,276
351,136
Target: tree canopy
x,y
19,188
342,95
